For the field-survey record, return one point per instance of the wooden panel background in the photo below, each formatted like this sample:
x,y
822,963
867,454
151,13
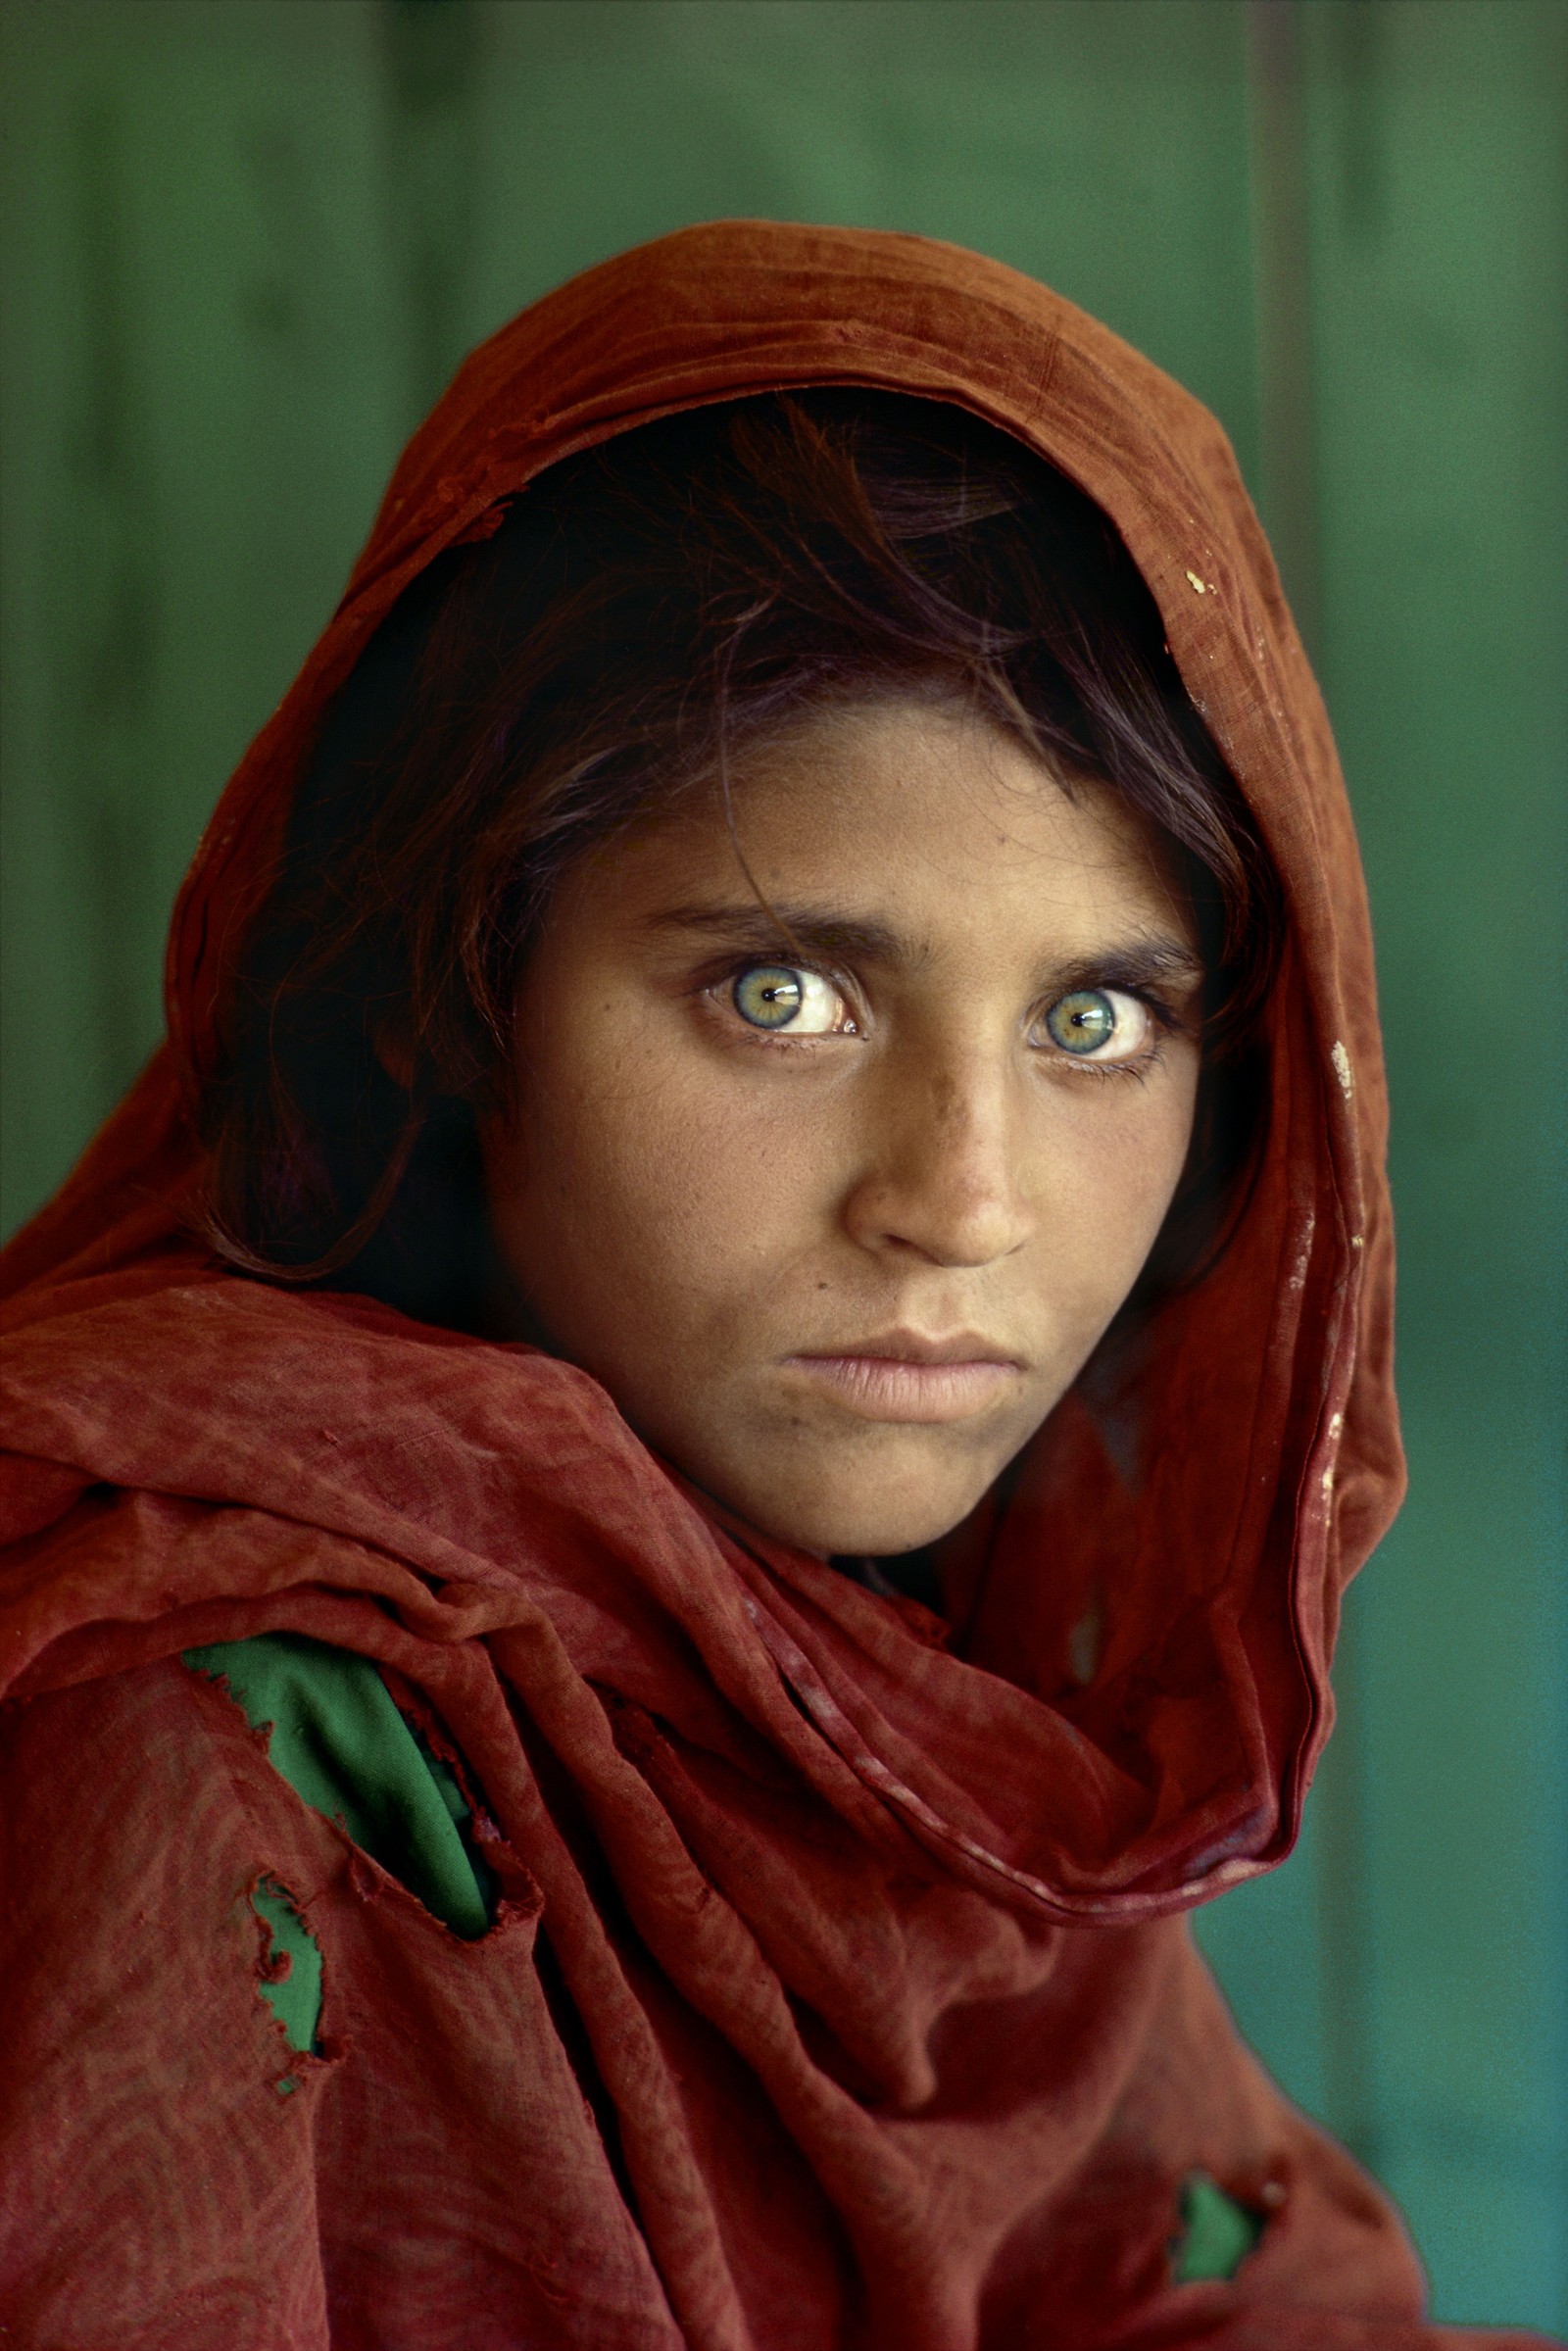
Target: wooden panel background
x,y
246,240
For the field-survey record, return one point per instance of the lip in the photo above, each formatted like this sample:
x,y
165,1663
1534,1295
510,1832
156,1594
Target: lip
x,y
904,1376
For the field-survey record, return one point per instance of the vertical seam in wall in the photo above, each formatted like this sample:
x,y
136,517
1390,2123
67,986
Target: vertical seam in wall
x,y
1288,496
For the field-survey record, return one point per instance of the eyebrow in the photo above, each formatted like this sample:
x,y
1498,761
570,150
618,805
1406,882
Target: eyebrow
x,y
1140,961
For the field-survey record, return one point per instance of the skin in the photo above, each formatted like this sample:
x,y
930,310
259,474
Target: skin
x,y
757,1241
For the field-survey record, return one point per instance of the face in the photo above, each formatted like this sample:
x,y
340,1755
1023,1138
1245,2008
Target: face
x,y
836,1205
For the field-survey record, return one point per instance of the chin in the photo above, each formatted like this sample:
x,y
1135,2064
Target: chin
x,y
863,1527
866,1493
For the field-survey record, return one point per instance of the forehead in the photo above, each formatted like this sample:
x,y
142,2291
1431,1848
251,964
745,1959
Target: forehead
x,y
920,814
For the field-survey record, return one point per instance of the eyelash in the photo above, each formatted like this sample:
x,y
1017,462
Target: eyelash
x,y
1165,1022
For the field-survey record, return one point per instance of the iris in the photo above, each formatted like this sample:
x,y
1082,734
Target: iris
x,y
769,996
1081,1022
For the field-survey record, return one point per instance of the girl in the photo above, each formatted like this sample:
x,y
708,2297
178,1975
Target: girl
x,y
683,1471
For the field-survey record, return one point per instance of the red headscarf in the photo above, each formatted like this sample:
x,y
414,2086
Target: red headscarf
x,y
865,1948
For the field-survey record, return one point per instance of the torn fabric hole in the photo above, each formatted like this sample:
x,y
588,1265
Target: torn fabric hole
x,y
1217,2232
289,1979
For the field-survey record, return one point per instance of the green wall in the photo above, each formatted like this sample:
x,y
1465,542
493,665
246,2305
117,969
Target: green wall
x,y
245,242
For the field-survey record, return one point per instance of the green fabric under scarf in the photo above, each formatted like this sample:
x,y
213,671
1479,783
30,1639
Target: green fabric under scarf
x,y
1218,2234
293,1991
342,1745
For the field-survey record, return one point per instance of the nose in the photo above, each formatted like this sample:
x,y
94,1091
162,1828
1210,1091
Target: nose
x,y
945,1176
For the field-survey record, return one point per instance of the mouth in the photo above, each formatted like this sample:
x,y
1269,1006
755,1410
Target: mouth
x,y
904,1376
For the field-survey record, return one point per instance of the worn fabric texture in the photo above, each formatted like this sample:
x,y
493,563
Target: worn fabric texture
x,y
839,1992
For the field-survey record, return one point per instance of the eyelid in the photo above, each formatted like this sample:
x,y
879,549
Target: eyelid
x,y
1146,993
718,970
1154,995
1158,1007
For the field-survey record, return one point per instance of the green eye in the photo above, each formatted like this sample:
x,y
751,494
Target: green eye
x,y
769,996
776,996
1081,1022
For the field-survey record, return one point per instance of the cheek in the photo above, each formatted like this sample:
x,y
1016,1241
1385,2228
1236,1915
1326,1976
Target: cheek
x,y
640,1199
1114,1176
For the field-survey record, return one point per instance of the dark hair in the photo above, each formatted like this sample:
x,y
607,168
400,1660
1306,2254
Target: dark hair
x,y
643,611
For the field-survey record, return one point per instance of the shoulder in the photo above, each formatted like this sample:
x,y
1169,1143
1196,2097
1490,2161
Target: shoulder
x,y
140,1796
